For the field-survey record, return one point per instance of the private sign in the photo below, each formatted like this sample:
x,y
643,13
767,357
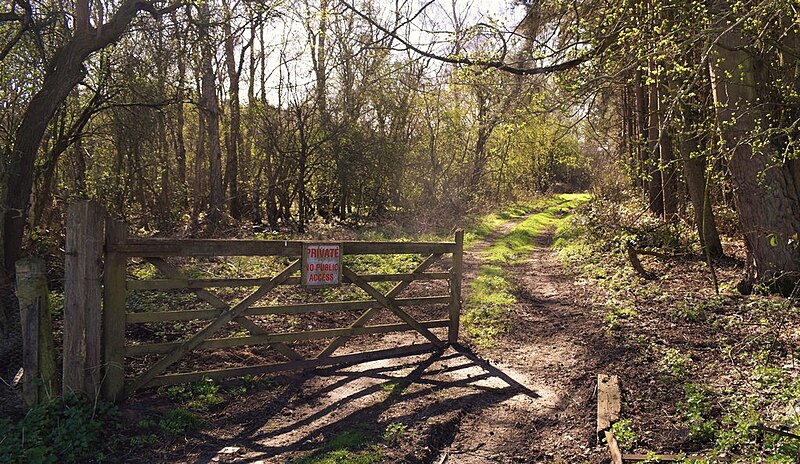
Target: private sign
x,y
322,264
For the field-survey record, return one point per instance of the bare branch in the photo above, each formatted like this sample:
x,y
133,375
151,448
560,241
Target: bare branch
x,y
496,64
9,17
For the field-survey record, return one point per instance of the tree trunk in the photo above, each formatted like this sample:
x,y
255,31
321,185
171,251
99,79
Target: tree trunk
x,y
209,105
669,175
641,100
180,142
655,189
694,171
234,132
765,192
66,73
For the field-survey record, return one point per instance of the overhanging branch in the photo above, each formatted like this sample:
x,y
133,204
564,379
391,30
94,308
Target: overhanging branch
x,y
496,64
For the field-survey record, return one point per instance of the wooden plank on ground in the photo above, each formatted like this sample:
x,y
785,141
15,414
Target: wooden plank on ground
x,y
608,402
613,448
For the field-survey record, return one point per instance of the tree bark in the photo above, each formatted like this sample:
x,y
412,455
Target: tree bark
x,y
765,192
180,123
640,138
234,132
655,189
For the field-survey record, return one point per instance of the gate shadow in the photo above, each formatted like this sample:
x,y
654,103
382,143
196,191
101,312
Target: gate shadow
x,y
416,390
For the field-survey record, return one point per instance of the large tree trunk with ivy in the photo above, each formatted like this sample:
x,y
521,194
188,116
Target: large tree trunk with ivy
x,y
765,191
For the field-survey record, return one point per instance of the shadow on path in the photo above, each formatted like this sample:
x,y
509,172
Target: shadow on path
x,y
324,403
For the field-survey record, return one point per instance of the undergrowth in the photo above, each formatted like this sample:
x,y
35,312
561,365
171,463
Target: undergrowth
x,y
68,429
732,360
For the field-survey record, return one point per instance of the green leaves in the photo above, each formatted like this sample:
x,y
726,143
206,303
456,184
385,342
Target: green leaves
x,y
70,430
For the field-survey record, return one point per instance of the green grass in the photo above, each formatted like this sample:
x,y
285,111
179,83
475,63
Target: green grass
x,y
351,447
515,246
488,305
180,422
491,294
198,395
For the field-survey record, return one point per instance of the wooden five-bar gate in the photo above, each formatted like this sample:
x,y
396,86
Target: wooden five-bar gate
x,y
96,349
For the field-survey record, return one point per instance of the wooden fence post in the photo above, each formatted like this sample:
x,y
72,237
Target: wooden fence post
x,y
82,317
455,287
38,352
114,312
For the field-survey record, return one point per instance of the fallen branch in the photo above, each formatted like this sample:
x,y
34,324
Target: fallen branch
x,y
662,256
633,257
782,433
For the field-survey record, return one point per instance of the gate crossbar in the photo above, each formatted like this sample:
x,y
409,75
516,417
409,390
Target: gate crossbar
x,y
391,306
173,272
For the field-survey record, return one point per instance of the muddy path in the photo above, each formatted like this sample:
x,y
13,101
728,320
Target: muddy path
x,y
529,398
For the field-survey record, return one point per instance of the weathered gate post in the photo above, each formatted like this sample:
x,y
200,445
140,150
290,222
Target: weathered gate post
x,y
114,312
455,287
82,275
38,352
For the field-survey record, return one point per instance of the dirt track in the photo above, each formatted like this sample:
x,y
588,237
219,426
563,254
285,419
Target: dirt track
x,y
528,399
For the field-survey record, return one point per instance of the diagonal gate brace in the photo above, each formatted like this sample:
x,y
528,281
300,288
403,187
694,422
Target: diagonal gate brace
x,y
370,313
173,272
389,304
189,344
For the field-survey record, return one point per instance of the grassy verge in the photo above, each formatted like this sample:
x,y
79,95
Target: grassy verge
x,y
491,294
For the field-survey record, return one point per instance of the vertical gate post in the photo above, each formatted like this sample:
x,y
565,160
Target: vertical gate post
x,y
82,276
455,287
38,352
114,312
